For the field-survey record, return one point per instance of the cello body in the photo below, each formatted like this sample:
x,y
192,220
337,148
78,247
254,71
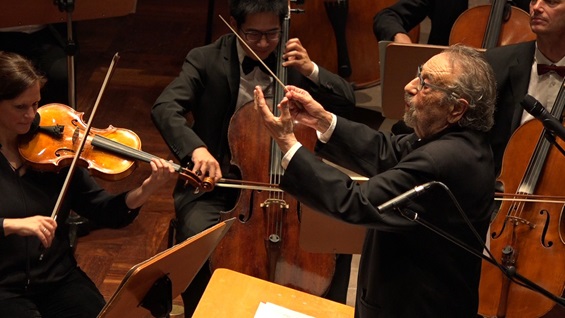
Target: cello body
x,y
264,241
529,236
486,26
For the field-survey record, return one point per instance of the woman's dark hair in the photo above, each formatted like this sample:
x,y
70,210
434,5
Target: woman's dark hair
x,y
16,75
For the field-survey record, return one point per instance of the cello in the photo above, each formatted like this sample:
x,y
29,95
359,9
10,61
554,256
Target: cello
x,y
264,241
492,25
527,237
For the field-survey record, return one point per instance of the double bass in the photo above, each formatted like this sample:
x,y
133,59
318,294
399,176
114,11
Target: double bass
x,y
492,25
528,236
264,241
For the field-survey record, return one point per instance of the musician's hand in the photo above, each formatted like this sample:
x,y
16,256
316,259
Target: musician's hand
x,y
306,110
205,164
402,38
280,128
41,226
161,172
296,56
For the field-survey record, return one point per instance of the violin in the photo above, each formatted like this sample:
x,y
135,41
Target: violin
x,y
109,153
54,144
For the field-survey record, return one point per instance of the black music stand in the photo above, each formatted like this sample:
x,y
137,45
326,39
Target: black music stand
x,y
151,286
68,6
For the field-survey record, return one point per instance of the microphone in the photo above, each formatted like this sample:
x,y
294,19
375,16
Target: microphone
x,y
536,109
403,199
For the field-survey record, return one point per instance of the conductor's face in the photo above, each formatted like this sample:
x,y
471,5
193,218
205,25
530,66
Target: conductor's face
x,y
261,32
430,103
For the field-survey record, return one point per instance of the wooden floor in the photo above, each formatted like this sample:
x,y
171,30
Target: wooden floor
x,y
151,44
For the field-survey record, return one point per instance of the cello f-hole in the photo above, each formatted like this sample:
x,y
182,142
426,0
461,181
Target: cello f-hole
x,y
545,228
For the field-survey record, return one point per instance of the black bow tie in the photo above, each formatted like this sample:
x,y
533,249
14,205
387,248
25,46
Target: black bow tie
x,y
249,64
544,68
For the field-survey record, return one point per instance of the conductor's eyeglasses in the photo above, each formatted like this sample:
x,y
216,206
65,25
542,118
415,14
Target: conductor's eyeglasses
x,y
422,84
256,36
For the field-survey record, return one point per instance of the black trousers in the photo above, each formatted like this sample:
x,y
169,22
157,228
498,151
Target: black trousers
x,y
74,297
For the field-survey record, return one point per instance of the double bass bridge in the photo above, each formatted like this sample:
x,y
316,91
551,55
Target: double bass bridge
x,y
517,221
274,211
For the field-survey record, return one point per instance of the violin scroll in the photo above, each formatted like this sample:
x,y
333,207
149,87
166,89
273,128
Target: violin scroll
x,y
191,179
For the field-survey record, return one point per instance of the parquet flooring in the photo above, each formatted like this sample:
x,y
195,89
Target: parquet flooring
x,y
151,44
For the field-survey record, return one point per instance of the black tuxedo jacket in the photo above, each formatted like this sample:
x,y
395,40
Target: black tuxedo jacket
x,y
512,66
207,88
406,270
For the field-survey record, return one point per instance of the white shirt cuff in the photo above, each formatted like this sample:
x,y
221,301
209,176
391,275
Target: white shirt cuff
x,y
315,75
289,154
325,136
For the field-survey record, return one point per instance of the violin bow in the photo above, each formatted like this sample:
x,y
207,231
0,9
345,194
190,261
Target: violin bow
x,y
83,141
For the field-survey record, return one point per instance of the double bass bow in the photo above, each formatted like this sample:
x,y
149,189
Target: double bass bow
x,y
264,242
528,236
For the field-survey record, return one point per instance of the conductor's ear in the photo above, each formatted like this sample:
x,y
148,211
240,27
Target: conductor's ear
x,y
458,109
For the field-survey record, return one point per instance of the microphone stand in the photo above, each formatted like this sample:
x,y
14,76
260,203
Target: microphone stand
x,y
551,138
74,220
509,271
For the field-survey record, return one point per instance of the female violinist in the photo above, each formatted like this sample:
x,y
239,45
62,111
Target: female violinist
x,y
215,81
39,276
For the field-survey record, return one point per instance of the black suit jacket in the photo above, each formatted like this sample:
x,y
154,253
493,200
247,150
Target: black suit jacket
x,y
406,270
404,15
207,87
512,66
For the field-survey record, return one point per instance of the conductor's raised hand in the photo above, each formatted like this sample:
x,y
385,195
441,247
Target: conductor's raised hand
x,y
307,111
280,128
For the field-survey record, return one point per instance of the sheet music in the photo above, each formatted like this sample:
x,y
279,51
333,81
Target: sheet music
x,y
270,310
